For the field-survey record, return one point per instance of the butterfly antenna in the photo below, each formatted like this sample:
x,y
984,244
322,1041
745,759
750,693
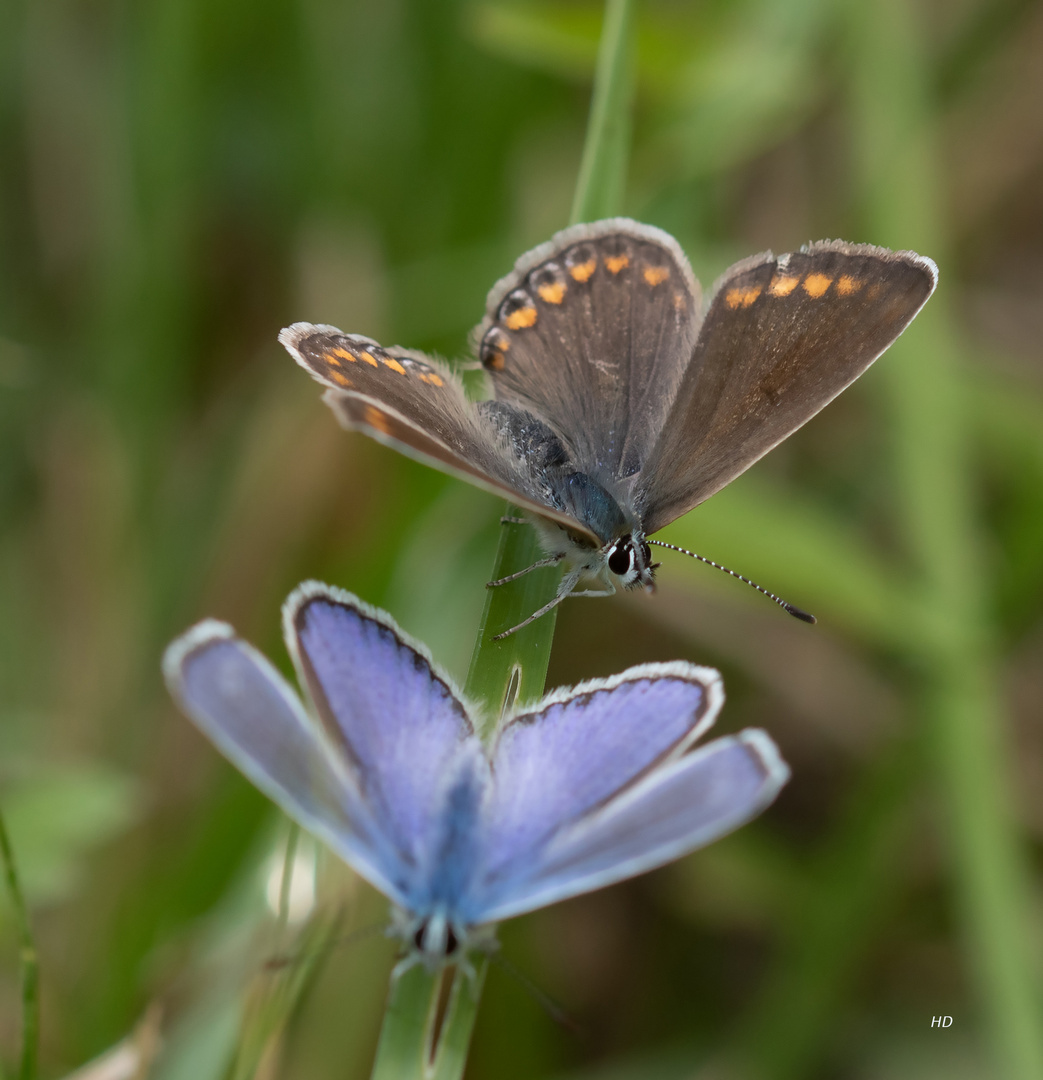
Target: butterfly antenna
x,y
792,609
549,1005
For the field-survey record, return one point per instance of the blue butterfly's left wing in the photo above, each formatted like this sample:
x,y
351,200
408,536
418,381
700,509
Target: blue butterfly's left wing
x,y
245,707
399,721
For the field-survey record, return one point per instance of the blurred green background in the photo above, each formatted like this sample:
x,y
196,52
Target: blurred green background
x,y
179,179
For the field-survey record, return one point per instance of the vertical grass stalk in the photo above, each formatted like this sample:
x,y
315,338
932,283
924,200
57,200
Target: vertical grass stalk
x,y
603,167
959,692
289,864
411,1045
28,959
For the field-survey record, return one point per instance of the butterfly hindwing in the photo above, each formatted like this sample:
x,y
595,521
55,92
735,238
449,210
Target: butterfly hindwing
x,y
782,337
591,332
418,407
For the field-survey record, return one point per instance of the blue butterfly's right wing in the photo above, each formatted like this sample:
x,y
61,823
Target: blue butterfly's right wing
x,y
676,809
601,784
583,746
245,707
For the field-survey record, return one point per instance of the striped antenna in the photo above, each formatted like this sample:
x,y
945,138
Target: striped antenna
x,y
793,610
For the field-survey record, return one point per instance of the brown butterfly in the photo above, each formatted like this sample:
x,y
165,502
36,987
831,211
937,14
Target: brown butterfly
x,y
618,404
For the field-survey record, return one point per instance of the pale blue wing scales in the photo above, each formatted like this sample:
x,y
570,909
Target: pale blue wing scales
x,y
245,707
399,721
685,805
584,746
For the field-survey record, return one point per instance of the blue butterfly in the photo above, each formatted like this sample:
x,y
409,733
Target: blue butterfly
x,y
590,786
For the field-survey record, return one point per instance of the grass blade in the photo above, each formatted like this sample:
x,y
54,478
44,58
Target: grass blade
x,y
29,963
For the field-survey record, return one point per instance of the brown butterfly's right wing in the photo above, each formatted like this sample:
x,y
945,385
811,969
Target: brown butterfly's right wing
x,y
419,408
782,337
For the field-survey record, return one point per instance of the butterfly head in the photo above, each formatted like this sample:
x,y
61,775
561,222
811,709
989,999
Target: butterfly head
x,y
629,560
435,940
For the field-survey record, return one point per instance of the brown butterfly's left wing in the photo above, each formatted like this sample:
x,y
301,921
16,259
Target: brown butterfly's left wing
x,y
782,337
592,332
419,408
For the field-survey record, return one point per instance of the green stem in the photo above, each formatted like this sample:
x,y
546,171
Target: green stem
x,y
515,668
30,969
958,690
603,168
286,883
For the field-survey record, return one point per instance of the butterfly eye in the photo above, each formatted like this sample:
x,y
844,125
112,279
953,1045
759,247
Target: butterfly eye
x,y
621,558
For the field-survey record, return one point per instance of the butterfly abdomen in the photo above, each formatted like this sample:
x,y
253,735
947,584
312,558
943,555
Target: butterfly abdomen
x,y
582,497
528,437
452,856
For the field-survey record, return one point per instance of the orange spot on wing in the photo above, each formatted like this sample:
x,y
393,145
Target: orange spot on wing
x,y
742,296
846,284
655,275
369,358
376,419
344,354
816,284
431,378
583,271
553,292
615,263
521,319
340,378
392,363
331,359
783,284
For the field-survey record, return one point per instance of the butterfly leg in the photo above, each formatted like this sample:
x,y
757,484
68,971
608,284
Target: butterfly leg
x,y
551,560
508,520
409,960
608,590
568,583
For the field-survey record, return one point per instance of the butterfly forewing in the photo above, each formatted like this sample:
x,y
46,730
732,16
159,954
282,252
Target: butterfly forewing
x,y
585,746
781,339
400,722
591,332
418,407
